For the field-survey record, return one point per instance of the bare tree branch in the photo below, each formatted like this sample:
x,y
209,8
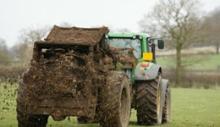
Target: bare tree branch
x,y
177,21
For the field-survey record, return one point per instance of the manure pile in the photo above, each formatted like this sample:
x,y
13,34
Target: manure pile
x,y
60,75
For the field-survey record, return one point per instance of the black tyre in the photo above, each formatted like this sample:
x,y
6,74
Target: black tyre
x,y
85,120
167,107
24,119
27,120
149,102
82,120
115,101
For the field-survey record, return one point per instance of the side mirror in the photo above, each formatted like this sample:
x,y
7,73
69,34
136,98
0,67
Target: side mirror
x,y
160,44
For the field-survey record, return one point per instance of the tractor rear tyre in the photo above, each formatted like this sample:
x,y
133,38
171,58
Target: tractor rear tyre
x,y
149,102
115,101
167,107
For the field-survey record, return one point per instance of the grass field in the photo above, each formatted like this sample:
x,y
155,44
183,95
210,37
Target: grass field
x,y
199,62
190,108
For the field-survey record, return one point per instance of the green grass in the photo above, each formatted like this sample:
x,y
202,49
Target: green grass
x,y
190,108
200,62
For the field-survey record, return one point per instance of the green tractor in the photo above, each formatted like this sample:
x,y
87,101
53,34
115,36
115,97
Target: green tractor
x,y
95,75
151,93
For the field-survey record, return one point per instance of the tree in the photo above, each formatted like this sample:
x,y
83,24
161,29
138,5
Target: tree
x,y
33,34
175,20
23,50
211,29
4,53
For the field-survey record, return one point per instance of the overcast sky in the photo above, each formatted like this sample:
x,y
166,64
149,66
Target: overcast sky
x,y
16,15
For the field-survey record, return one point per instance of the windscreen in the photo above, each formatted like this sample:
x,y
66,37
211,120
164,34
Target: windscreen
x,y
127,43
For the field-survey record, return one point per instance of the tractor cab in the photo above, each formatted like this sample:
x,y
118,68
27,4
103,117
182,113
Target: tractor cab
x,y
142,45
136,52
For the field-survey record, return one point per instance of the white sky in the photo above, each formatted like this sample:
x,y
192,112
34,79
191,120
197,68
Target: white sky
x,y
16,15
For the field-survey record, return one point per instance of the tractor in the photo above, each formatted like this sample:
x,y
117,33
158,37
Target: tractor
x,y
95,75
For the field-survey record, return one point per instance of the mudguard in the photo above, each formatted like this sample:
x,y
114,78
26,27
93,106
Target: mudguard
x,y
146,71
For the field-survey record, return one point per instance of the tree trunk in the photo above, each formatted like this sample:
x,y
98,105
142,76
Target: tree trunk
x,y
178,65
217,48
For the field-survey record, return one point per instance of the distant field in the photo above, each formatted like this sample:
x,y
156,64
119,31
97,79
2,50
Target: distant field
x,y
190,108
198,62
